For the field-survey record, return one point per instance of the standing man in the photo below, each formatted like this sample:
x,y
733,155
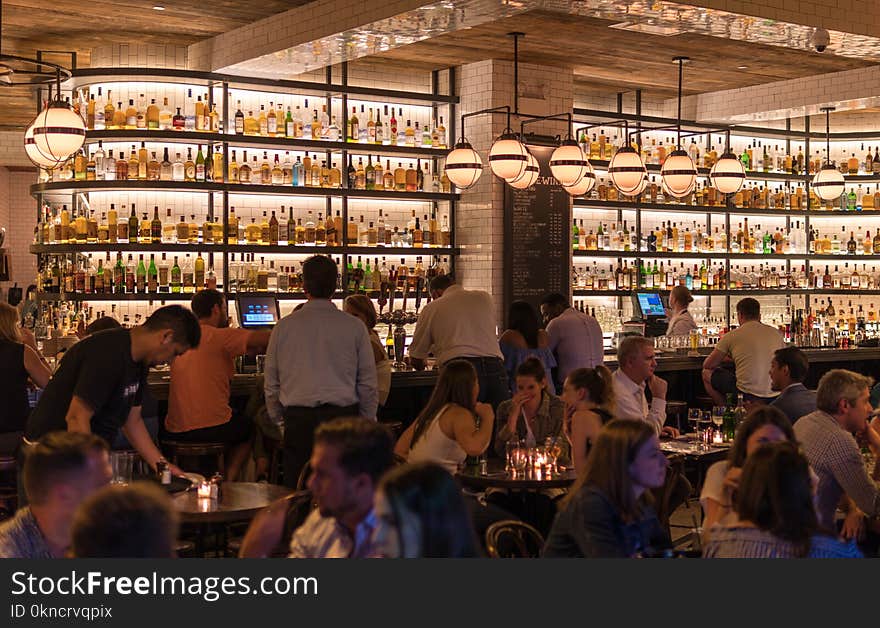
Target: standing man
x,y
826,437
60,471
459,324
634,380
99,384
198,400
319,366
788,370
575,337
750,346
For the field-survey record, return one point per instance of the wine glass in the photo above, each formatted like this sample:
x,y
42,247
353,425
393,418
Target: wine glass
x,y
694,417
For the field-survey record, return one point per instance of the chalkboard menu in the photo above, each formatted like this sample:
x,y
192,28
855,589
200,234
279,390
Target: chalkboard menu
x,y
537,259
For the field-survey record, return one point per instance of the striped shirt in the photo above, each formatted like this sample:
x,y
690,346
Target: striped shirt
x,y
836,459
746,542
21,537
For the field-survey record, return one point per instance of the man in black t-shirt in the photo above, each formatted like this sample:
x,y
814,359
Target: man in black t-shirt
x,y
99,384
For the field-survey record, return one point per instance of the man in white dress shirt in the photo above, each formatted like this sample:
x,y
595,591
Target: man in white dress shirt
x,y
459,324
635,373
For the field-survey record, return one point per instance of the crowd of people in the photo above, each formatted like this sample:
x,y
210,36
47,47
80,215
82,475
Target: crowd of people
x,y
796,460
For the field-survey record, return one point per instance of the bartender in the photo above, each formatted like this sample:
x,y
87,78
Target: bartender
x,y
680,322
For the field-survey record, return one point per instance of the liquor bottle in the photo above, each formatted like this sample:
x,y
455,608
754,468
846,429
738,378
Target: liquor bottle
x,y
353,126
200,165
271,121
239,119
133,226
152,115
156,226
189,111
166,117
186,275
166,170
273,229
141,276
189,167
199,272
178,169
369,171
309,233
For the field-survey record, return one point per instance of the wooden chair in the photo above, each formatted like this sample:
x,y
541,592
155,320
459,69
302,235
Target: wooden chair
x,y
674,492
303,480
175,450
513,539
676,414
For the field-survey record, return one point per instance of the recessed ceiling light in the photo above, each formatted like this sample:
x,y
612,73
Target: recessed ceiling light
x,y
158,8
742,67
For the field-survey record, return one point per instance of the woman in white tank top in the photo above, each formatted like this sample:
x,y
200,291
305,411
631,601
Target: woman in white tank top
x,y
453,424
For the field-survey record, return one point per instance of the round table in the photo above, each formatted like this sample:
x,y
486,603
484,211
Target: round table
x,y
497,477
240,501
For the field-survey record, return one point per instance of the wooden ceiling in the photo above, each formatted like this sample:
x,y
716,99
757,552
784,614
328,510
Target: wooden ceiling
x,y
612,60
65,25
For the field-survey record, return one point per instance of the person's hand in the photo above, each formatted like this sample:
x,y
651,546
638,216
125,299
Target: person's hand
x,y
28,338
657,386
731,480
669,431
176,471
853,525
519,399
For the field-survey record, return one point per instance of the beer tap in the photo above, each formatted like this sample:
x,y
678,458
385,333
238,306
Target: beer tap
x,y
420,284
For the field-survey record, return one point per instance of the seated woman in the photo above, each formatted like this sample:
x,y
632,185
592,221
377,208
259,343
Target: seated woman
x,y
19,362
588,395
523,339
776,514
607,513
453,424
420,513
534,414
761,426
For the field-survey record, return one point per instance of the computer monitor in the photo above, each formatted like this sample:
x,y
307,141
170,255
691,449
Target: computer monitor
x,y
257,311
648,305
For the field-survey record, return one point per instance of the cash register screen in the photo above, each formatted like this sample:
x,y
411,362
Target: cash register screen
x,y
257,311
650,304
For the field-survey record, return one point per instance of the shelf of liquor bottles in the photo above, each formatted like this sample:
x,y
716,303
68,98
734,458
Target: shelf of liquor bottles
x,y
63,249
271,190
724,255
637,205
577,292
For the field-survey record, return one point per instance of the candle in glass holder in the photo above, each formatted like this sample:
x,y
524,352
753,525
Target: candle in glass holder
x,y
718,438
204,490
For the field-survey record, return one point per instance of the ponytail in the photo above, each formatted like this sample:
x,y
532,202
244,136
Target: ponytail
x,y
598,383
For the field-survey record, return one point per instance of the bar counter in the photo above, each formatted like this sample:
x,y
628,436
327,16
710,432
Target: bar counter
x,y
410,390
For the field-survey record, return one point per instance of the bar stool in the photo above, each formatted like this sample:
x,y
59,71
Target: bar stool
x,y
176,450
676,410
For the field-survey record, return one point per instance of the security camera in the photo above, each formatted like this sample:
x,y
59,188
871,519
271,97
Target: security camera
x,y
820,39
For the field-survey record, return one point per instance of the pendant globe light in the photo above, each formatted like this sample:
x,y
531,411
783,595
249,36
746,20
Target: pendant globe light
x,y
728,173
586,183
828,182
568,163
678,172
529,175
33,153
463,165
627,169
508,156
58,131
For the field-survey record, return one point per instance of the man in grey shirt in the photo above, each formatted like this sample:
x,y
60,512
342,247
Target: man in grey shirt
x,y
788,370
826,437
319,366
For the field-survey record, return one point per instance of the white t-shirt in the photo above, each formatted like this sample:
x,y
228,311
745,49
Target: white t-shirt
x,y
751,346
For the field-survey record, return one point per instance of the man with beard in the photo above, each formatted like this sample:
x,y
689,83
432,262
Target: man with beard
x,y
198,400
98,387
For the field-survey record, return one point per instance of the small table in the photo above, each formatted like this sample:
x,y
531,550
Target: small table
x,y
239,502
497,477
698,459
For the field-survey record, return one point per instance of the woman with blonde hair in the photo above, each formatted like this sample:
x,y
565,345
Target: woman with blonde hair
x,y
18,362
360,306
607,513
589,404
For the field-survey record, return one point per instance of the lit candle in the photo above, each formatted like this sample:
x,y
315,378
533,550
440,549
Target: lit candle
x,y
204,490
718,438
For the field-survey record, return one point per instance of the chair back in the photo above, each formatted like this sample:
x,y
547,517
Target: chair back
x,y
303,480
513,539
675,490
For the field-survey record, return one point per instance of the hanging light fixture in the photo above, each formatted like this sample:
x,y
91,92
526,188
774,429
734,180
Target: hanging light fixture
x,y
57,130
728,173
678,172
586,183
828,182
568,162
33,153
529,175
508,156
627,169
463,165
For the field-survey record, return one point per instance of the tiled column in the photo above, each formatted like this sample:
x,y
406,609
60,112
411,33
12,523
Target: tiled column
x,y
479,225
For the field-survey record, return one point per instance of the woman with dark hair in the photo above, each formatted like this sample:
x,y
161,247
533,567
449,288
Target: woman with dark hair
x,y
588,395
453,424
361,306
523,339
761,426
420,513
607,512
534,414
777,515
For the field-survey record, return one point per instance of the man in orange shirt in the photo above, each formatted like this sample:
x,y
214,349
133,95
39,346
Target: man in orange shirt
x,y
198,401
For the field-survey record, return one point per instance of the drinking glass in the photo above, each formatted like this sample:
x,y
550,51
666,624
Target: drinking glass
x,y
510,453
694,417
121,462
520,459
553,450
718,416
